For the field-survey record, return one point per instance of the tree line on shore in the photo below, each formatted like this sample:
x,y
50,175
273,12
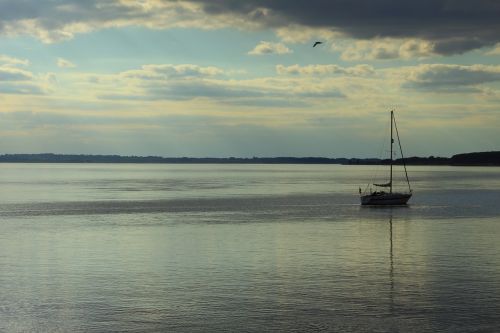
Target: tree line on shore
x,y
491,158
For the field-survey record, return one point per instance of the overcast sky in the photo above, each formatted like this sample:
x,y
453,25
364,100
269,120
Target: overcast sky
x,y
241,78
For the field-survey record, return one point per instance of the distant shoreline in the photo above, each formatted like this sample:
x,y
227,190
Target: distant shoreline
x,y
491,158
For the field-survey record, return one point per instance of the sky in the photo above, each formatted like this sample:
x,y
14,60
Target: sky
x,y
238,78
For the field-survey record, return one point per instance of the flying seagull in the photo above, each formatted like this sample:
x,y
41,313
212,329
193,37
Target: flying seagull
x,y
317,43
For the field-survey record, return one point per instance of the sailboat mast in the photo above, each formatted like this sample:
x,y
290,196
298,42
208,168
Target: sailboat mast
x,y
402,156
392,141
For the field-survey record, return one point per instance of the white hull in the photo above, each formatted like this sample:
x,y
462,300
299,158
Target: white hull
x,y
385,199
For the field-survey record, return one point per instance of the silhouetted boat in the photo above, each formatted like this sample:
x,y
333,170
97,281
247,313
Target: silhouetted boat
x,y
383,198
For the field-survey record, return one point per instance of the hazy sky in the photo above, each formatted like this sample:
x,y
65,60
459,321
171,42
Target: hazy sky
x,y
241,78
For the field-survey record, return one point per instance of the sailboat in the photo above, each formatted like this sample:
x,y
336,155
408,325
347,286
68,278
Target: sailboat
x,y
391,198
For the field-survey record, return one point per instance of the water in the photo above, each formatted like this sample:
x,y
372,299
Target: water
x,y
247,248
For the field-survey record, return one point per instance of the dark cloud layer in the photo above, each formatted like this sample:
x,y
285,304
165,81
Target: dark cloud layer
x,y
455,26
452,78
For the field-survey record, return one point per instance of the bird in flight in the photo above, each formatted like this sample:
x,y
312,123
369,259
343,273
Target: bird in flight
x,y
317,43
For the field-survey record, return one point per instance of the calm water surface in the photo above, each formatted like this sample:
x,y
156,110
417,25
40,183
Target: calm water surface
x,y
245,248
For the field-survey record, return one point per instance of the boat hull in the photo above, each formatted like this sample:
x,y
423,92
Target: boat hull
x,y
386,199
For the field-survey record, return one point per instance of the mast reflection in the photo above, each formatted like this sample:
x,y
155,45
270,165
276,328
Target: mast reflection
x,y
391,269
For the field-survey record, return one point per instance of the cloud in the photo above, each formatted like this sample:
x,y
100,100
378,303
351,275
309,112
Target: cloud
x,y
495,51
178,83
295,33
453,27
270,103
452,78
386,49
15,80
221,91
63,63
11,61
14,74
358,70
169,71
167,82
269,48
55,21
186,90
21,88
